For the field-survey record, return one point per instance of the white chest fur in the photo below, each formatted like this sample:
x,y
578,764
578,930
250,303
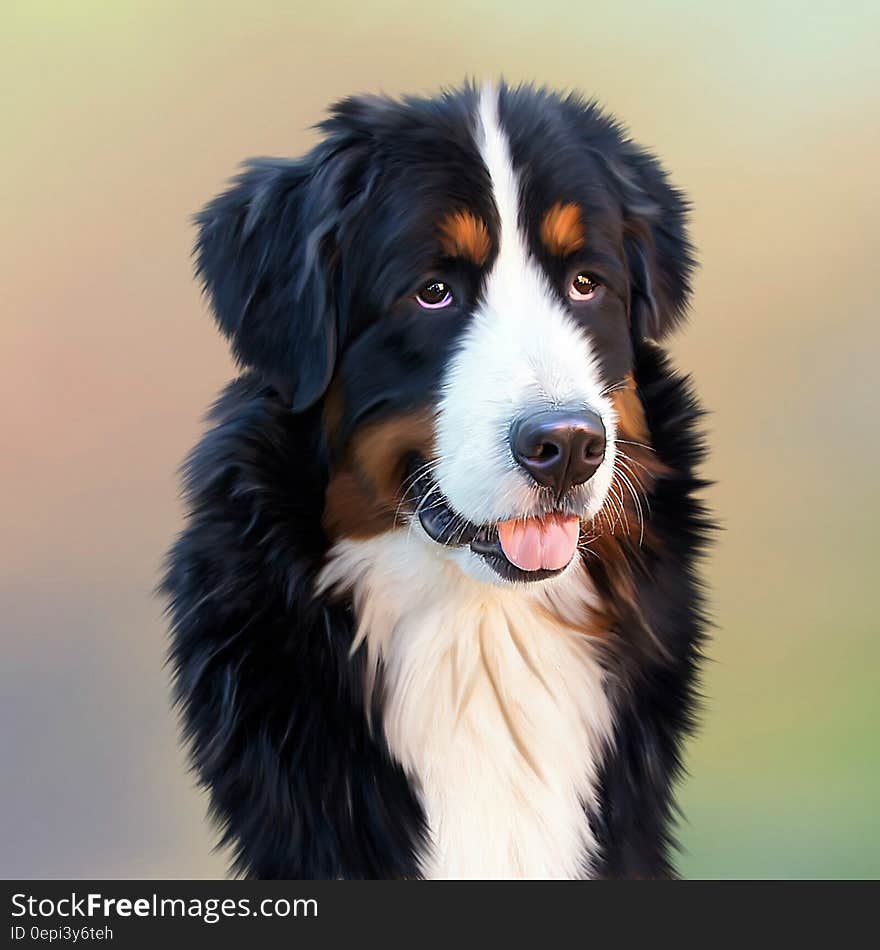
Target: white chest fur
x,y
493,704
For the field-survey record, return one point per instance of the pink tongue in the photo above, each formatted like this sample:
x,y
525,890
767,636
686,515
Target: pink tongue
x,y
539,544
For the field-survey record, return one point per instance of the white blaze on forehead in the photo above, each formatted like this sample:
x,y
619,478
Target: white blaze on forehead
x,y
505,186
522,352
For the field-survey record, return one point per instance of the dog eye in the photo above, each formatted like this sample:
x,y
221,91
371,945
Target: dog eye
x,y
584,287
434,295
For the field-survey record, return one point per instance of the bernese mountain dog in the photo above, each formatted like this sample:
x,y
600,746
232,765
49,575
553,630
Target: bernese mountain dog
x,y
435,611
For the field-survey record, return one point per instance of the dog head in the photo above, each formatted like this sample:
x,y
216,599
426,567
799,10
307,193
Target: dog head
x,y
460,285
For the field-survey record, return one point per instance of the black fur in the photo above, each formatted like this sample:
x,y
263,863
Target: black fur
x,y
661,633
308,265
273,705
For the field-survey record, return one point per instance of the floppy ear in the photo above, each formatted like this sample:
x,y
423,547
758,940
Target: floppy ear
x,y
266,254
659,253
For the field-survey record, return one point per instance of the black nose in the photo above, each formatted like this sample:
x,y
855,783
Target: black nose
x,y
559,448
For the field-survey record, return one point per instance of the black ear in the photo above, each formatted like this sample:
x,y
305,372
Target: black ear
x,y
266,251
659,254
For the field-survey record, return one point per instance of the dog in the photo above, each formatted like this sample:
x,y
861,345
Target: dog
x,y
436,610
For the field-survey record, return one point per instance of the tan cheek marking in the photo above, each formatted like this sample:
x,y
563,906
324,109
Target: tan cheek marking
x,y
562,229
363,496
351,509
636,470
379,450
631,422
462,234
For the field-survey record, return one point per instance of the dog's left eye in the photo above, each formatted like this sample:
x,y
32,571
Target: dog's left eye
x,y
584,287
434,295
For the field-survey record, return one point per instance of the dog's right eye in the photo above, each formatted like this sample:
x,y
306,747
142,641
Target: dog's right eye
x,y
584,287
434,295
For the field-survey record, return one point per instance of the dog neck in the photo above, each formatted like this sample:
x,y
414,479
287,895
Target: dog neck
x,y
492,700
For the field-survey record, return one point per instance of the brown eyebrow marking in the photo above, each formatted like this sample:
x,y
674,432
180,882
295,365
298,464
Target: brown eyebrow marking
x,y
562,229
463,234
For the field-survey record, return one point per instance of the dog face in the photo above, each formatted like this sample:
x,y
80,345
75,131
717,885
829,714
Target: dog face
x,y
457,288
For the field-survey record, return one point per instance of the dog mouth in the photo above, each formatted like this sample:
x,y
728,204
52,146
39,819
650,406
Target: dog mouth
x,y
519,549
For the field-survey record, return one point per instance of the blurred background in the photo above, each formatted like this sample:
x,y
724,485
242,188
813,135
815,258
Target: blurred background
x,y
121,119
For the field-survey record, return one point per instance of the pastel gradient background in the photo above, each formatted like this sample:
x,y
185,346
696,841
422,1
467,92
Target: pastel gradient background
x,y
122,118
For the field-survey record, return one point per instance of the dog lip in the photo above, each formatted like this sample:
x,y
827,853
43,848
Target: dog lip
x,y
445,527
499,562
